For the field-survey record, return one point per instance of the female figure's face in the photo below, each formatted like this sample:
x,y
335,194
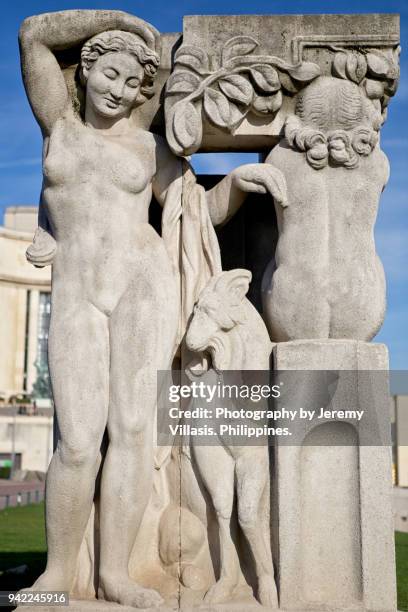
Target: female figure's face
x,y
113,84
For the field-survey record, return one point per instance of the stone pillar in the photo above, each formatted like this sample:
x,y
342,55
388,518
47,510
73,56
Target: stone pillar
x,y
32,339
336,538
21,309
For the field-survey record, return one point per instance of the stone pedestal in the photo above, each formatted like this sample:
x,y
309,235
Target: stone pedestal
x,y
76,605
334,494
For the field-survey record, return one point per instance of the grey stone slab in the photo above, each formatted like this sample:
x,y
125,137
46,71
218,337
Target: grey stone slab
x,y
336,533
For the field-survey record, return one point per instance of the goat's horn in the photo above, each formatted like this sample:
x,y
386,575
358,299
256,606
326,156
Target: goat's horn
x,y
234,282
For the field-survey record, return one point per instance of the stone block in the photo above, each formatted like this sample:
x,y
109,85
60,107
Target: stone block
x,y
335,520
291,38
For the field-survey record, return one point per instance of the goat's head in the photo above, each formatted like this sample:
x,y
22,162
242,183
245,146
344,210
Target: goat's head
x,y
218,309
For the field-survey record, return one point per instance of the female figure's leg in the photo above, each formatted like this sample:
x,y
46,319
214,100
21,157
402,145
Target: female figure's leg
x,y
78,359
142,334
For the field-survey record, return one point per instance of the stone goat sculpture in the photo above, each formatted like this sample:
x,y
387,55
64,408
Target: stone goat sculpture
x,y
228,327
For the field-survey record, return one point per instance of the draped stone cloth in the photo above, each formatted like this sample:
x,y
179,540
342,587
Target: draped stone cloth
x,y
190,240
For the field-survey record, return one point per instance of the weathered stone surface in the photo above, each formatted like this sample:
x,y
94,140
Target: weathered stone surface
x,y
98,172
226,325
247,119
332,285
336,536
326,82
105,606
122,513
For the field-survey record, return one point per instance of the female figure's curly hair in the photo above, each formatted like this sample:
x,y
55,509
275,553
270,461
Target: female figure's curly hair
x,y
121,42
333,121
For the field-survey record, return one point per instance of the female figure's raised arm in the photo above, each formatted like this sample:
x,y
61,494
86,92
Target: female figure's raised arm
x,y
41,35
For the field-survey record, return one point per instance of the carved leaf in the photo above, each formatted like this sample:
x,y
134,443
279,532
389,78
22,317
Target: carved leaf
x,y
236,88
378,65
238,45
394,70
361,69
236,116
266,78
182,83
217,107
186,124
307,71
351,65
339,65
391,87
287,83
266,105
193,57
356,67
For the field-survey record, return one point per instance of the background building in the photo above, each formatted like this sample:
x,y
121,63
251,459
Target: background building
x,y
400,440
24,305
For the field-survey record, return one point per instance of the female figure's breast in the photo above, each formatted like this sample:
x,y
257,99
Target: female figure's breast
x,y
79,154
94,185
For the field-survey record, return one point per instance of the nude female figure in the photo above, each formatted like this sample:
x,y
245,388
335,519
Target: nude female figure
x,y
329,281
114,300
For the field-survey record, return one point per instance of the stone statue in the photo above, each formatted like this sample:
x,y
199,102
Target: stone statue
x,y
115,295
227,325
111,276
127,521
334,273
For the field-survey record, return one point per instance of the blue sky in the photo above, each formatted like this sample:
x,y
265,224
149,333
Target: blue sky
x,y
20,138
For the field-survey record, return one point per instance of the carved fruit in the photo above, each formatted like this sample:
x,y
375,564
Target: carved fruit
x,y
374,89
378,65
193,578
266,105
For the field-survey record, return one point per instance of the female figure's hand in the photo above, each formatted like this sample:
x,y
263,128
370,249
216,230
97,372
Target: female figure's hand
x,y
261,178
42,249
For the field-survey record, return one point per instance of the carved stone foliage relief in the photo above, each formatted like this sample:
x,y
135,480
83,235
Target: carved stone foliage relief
x,y
224,88
242,81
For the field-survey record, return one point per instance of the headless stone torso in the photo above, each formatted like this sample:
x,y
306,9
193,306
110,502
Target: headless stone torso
x,y
326,256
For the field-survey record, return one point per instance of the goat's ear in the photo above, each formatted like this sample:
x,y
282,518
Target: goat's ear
x,y
235,283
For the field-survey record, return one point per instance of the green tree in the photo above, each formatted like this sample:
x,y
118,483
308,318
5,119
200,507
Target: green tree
x,y
42,385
